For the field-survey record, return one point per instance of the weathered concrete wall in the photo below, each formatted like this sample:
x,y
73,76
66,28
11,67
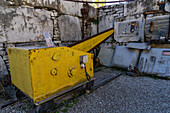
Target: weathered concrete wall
x,y
108,14
70,8
69,27
167,5
155,62
74,9
124,57
139,6
160,27
3,68
23,24
51,4
106,56
130,30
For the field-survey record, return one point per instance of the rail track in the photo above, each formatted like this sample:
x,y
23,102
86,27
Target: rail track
x,y
97,83
57,103
70,96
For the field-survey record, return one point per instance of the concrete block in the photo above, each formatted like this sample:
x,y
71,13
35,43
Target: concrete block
x,y
131,30
69,27
167,6
160,27
1,45
106,22
70,8
124,57
3,68
23,24
52,4
140,6
139,46
2,53
5,57
106,56
155,61
93,29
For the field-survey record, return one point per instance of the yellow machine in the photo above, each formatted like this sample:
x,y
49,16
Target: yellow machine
x,y
45,73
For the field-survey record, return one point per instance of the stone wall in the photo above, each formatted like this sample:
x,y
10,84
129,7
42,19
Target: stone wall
x,y
108,14
70,29
136,9
23,24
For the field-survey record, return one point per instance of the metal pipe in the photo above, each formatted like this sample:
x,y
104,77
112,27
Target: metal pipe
x,y
100,2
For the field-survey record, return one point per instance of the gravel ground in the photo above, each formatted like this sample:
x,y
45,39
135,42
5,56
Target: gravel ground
x,y
127,95
123,95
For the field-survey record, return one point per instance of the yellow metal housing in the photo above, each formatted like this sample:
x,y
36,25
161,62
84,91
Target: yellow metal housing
x,y
43,72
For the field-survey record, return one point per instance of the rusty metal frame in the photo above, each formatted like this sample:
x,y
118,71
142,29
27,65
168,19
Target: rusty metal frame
x,y
81,1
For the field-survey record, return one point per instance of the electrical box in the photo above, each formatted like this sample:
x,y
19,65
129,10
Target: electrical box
x,y
83,59
41,73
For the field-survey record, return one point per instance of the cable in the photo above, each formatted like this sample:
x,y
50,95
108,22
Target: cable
x,y
87,75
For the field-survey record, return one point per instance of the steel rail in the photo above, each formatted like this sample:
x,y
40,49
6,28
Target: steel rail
x,y
107,80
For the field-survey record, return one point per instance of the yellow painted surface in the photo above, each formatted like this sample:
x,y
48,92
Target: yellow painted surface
x,y
19,69
89,44
97,5
47,70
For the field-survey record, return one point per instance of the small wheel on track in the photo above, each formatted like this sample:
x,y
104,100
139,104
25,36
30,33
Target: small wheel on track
x,y
19,94
6,80
90,85
45,107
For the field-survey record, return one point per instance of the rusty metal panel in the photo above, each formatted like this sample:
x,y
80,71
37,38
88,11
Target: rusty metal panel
x,y
155,61
124,57
156,27
131,30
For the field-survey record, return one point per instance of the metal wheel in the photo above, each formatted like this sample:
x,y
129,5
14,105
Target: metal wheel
x,y
6,80
19,94
90,85
45,107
